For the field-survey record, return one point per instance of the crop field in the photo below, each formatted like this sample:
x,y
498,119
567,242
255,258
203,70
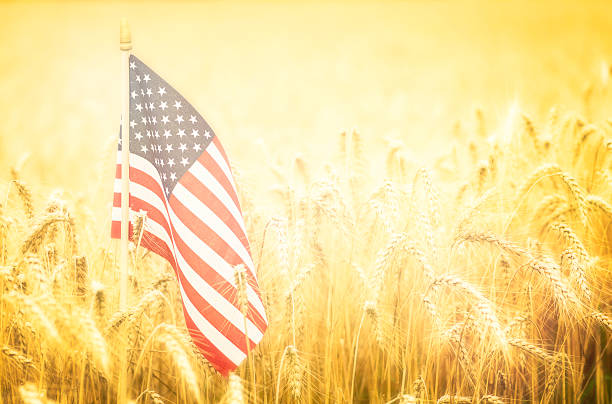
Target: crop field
x,y
426,189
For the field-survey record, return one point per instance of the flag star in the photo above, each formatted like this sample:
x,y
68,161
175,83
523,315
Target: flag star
x,y
179,119
162,91
207,134
142,92
195,133
139,107
193,119
149,92
177,105
197,147
146,78
151,106
181,133
138,136
167,134
149,118
146,106
163,105
132,124
165,119
154,120
138,78
167,190
156,132
184,162
143,149
183,147
171,162
164,177
172,176
169,148
132,65
159,149
161,162
134,94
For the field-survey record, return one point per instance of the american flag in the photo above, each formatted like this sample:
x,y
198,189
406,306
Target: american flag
x,y
180,176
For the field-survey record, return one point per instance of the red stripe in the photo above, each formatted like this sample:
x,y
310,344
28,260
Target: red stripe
x,y
216,281
211,165
200,191
219,361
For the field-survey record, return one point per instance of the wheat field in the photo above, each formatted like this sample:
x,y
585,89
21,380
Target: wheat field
x,y
456,248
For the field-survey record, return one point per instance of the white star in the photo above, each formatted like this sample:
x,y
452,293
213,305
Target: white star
x,y
171,162
146,106
177,105
195,133
184,162
132,124
162,91
132,65
164,177
149,135
159,149
167,190
138,136
165,119
207,134
144,120
172,176
179,119
161,163
167,134
169,148
143,149
181,133
138,78
146,78
154,120
156,132
197,147
151,106
134,94
149,92
163,105
193,119
183,147
139,107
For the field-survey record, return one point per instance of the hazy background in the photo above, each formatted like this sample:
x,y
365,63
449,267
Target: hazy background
x,y
287,78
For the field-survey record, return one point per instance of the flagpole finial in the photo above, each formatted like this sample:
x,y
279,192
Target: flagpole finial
x,y
125,37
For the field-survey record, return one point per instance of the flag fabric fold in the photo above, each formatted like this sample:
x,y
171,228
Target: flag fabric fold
x,y
180,177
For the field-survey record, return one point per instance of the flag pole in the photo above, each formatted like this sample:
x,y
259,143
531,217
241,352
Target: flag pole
x,y
125,45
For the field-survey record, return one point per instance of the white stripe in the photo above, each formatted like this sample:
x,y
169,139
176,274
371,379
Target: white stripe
x,y
213,260
218,157
219,340
208,180
206,215
217,300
